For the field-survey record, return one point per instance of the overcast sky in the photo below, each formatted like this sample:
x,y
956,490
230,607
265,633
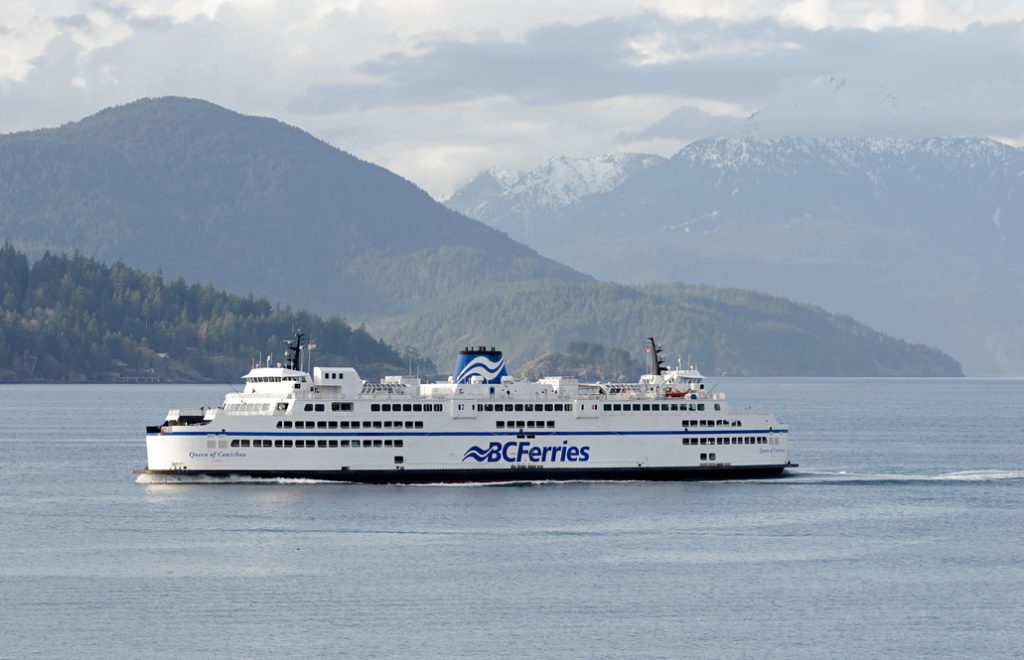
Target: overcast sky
x,y
437,90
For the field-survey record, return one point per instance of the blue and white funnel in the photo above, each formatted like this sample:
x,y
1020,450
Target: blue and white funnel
x,y
479,361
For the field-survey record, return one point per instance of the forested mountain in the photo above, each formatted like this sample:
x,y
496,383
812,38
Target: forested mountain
x,y
586,361
73,319
252,205
249,204
726,331
920,238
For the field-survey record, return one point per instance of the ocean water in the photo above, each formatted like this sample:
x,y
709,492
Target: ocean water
x,y
901,534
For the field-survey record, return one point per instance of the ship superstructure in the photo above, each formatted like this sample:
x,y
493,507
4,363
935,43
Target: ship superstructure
x,y
479,426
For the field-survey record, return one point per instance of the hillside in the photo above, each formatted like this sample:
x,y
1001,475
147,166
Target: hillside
x,y
74,319
725,331
919,238
250,204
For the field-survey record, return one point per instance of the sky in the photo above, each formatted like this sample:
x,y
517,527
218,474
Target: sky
x,y
436,90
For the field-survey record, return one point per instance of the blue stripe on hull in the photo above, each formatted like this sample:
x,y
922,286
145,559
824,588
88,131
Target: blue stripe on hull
x,y
455,434
412,476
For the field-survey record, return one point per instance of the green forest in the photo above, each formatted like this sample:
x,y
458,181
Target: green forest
x,y
72,319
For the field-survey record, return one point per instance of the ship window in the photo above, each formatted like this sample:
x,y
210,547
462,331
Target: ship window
x,y
399,443
387,443
319,407
399,459
302,443
374,407
509,407
377,425
438,407
500,424
245,443
234,443
548,407
607,407
377,443
718,406
529,407
343,443
308,407
279,443
332,425
519,407
551,423
341,406
703,457
333,444
386,407
321,443
288,443
406,407
366,425
711,457
409,425
280,424
418,425
700,406
321,425
282,406
387,424
418,407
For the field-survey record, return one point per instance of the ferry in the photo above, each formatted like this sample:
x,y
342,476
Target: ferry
x,y
479,426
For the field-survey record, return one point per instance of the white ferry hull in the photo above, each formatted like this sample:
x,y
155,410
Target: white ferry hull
x,y
333,426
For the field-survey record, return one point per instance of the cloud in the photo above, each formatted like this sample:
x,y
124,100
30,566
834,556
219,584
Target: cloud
x,y
437,90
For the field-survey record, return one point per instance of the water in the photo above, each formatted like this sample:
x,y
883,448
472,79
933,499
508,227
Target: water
x,y
901,534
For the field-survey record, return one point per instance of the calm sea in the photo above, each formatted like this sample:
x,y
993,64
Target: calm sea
x,y
902,534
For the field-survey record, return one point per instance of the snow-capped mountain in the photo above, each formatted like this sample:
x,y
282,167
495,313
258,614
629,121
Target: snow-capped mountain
x,y
498,196
921,238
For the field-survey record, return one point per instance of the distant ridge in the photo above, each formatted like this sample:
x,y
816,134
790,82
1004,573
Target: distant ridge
x,y
919,237
251,204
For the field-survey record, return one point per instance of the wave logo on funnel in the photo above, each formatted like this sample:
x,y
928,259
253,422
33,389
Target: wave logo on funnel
x,y
489,365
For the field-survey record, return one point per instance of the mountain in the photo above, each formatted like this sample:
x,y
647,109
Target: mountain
x,y
516,198
249,203
920,238
75,319
726,331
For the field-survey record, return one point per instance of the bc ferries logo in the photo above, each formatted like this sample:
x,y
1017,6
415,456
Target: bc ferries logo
x,y
522,451
490,370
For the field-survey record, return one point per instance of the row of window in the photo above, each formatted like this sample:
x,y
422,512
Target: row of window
x,y
654,407
711,422
309,444
526,407
530,424
345,424
406,407
747,440
337,406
